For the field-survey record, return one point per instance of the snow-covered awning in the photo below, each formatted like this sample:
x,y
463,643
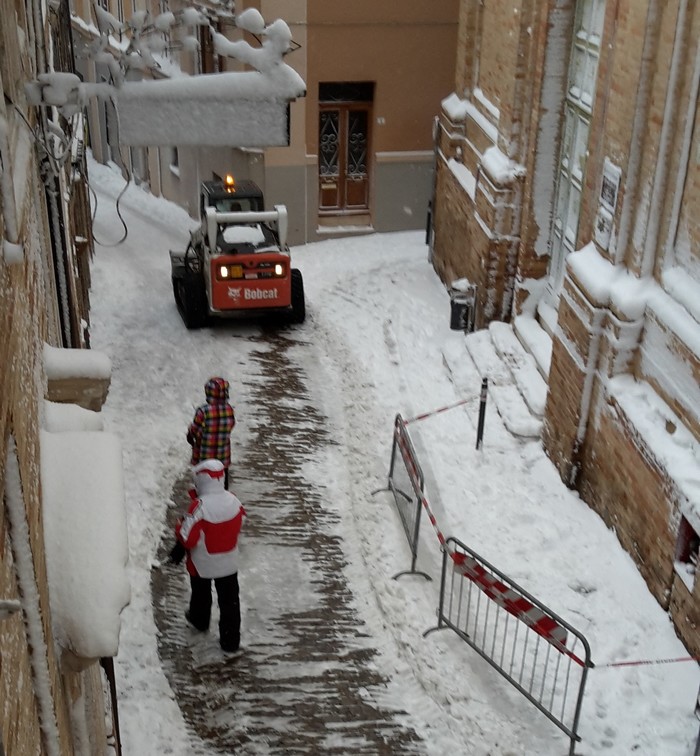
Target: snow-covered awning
x,y
239,109
85,537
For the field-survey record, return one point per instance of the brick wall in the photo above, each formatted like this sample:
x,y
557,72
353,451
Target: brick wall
x,y
685,611
517,55
633,493
29,317
623,482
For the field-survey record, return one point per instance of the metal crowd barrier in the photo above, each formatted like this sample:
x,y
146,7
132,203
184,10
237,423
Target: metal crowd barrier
x,y
406,483
540,654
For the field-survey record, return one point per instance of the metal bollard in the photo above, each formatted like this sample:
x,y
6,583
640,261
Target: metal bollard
x,y
482,413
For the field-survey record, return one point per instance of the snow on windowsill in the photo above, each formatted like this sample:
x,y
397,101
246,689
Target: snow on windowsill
x,y
86,539
75,363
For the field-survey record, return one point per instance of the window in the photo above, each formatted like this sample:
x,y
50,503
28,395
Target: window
x,y
583,69
687,548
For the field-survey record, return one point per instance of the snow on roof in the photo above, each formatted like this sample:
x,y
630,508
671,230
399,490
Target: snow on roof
x,y
75,363
232,109
86,539
243,235
246,109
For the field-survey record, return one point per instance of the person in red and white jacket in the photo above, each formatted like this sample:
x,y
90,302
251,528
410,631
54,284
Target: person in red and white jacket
x,y
209,532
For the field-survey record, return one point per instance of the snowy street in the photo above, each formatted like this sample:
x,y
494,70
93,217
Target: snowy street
x,y
334,659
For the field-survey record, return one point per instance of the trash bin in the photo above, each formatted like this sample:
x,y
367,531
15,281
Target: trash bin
x,y
459,311
462,301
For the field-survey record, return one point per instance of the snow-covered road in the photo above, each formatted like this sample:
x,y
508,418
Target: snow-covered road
x,y
376,342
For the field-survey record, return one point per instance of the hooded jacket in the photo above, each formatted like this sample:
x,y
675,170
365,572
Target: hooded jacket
x,y
210,430
210,529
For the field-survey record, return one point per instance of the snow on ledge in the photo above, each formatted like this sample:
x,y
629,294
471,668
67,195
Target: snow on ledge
x,y
683,289
455,108
465,177
608,283
671,443
63,416
60,363
458,109
86,539
500,168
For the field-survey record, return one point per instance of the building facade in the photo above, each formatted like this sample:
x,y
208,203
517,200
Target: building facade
x,y
568,195
360,153
52,700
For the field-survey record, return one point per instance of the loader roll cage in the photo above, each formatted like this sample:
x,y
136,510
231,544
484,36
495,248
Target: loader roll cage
x,y
213,220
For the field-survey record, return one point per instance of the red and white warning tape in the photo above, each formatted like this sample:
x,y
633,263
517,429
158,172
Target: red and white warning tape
x,y
437,411
642,662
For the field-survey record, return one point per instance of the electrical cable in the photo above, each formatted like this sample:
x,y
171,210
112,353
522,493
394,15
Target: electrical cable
x,y
125,168
119,214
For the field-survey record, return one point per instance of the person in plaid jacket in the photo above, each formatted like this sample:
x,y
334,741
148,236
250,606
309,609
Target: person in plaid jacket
x,y
209,433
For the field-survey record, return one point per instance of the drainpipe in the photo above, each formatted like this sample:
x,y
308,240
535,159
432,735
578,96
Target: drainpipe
x,y
639,127
586,394
684,161
663,160
31,607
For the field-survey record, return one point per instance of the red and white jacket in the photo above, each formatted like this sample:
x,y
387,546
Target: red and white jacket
x,y
210,529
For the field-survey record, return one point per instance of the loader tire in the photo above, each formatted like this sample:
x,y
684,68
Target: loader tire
x,y
192,300
298,302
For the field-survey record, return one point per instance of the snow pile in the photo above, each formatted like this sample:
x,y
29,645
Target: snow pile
x,y
86,540
70,417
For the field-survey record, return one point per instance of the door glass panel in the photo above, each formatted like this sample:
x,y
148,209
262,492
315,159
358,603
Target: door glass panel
x,y
328,142
357,143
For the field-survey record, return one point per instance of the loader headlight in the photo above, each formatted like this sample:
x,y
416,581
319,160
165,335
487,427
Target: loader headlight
x,y
226,272
279,270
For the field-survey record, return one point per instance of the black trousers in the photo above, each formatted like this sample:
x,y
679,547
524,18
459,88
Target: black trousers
x,y
229,608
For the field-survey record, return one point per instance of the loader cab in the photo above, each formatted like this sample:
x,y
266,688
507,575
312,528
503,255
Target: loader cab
x,y
230,195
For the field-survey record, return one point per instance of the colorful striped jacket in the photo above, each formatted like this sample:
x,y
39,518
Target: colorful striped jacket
x,y
210,430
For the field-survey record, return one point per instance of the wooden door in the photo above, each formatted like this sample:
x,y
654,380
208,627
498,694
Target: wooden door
x,y
343,165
